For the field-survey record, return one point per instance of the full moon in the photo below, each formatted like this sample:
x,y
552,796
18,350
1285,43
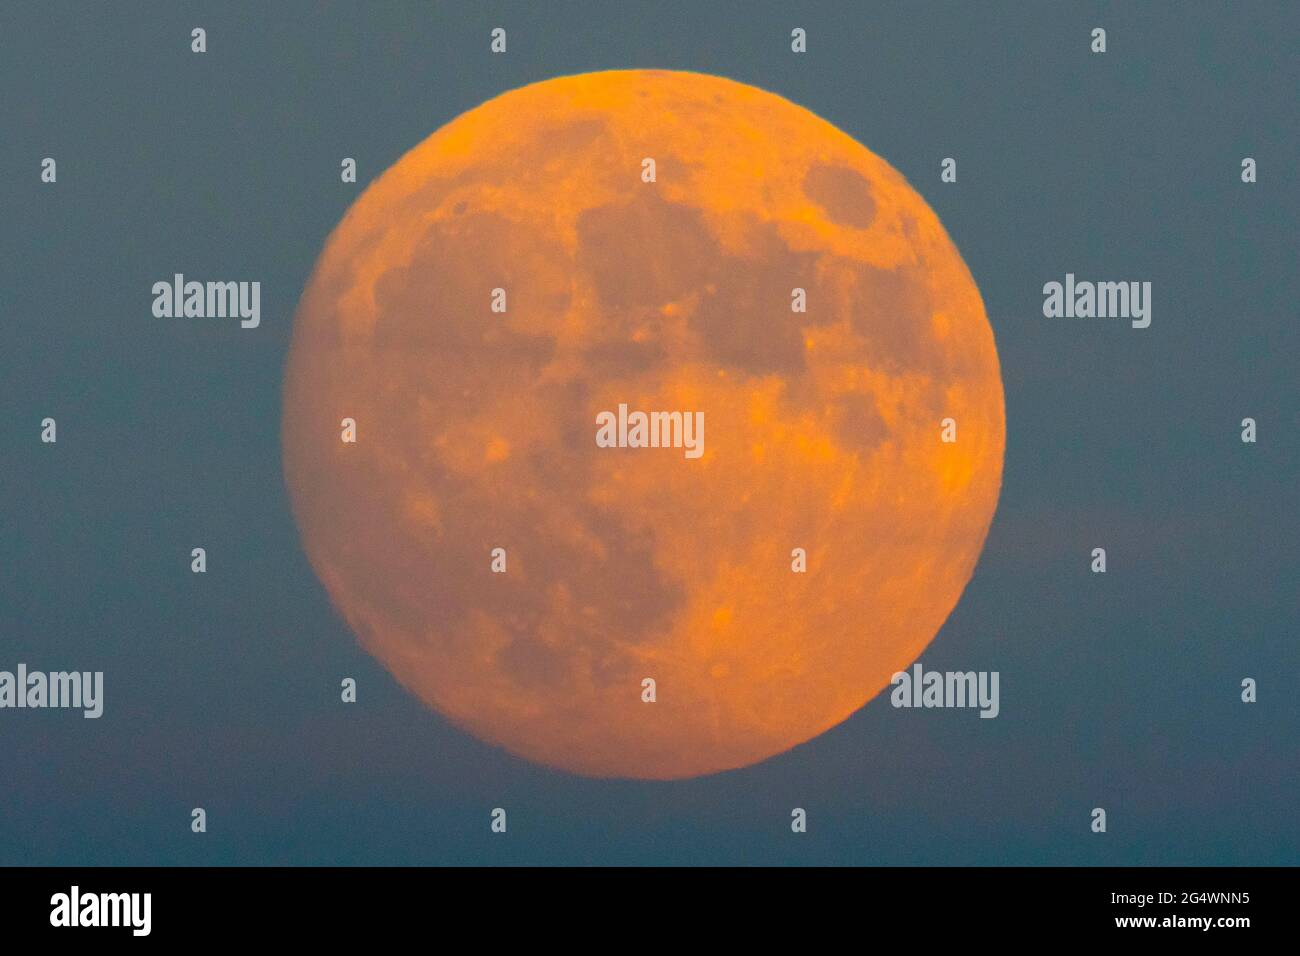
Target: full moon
x,y
668,242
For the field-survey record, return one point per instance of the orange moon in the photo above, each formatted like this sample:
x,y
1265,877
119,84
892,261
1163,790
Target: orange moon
x,y
476,411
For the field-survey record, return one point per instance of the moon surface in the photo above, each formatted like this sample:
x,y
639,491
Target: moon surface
x,y
475,427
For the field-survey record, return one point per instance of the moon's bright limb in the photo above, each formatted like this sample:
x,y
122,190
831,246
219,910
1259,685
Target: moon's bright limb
x,y
476,429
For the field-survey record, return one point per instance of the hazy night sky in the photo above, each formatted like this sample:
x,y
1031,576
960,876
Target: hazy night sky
x,y
1119,690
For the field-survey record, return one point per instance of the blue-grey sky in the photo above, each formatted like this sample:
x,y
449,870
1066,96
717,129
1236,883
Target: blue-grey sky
x,y
221,690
